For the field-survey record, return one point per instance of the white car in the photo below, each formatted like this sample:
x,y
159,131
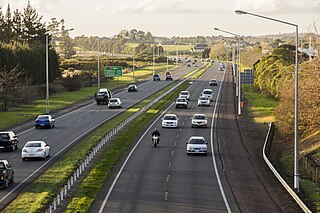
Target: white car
x,y
170,120
114,103
197,145
207,93
35,149
199,120
184,94
181,103
203,101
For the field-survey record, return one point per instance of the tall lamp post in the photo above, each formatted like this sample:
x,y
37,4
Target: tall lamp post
x,y
296,140
133,65
47,68
98,63
239,67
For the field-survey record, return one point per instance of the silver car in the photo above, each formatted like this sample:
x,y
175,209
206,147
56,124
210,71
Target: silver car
x,y
199,120
197,145
114,103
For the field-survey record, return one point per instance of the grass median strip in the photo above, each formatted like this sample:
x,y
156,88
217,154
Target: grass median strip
x,y
92,184
39,194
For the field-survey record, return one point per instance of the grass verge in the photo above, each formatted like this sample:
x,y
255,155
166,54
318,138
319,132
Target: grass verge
x,y
260,106
92,184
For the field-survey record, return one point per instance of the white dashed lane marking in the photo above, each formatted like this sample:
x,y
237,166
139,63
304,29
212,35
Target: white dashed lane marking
x,y
13,155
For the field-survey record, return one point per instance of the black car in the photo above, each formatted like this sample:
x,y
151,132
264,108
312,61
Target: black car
x,y
8,141
132,88
169,78
6,174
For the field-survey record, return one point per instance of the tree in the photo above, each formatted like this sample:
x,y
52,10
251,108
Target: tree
x,y
12,85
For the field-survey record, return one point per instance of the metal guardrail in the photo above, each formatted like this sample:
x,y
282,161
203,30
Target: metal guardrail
x,y
278,176
71,181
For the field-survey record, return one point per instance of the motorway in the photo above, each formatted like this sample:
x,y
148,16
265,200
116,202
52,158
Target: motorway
x,y
165,178
69,129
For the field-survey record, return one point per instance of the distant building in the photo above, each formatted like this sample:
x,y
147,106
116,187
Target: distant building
x,y
200,47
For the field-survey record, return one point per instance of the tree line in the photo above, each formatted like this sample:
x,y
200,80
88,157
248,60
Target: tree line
x,y
23,53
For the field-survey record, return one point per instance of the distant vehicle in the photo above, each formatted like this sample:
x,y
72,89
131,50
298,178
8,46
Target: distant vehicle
x,y
213,82
35,149
207,93
170,120
167,73
6,174
199,120
115,103
184,94
103,96
208,60
203,101
188,65
197,145
156,77
46,121
222,67
8,141
132,88
181,103
169,78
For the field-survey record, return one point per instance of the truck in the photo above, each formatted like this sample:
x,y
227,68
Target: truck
x,y
6,174
103,96
8,141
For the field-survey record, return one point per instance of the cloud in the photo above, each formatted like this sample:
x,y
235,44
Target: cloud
x,y
152,6
279,7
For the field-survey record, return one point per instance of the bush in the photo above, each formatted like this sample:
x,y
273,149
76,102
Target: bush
x,y
72,83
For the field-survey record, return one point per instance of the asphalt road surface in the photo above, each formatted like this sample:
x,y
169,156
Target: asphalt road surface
x,y
165,178
69,129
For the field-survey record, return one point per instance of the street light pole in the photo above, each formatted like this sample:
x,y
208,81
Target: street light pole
x,y
133,65
296,129
153,59
47,73
98,63
238,93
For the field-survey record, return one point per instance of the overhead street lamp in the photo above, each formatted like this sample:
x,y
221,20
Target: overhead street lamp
x,y
296,140
47,68
239,68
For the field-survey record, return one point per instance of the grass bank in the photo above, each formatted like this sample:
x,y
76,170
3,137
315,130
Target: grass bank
x,y
260,105
92,184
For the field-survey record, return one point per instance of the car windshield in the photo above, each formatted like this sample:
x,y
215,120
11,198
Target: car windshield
x,y
114,100
169,117
4,137
43,117
181,100
184,93
203,98
196,141
2,165
202,117
33,145
207,92
213,80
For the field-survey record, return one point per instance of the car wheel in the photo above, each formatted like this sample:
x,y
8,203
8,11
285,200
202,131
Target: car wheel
x,y
44,155
23,159
6,184
12,148
36,127
16,146
12,179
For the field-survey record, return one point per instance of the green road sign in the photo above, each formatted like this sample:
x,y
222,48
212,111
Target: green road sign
x,y
113,71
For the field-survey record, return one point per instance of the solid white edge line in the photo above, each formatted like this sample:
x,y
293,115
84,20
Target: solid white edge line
x,y
127,159
212,149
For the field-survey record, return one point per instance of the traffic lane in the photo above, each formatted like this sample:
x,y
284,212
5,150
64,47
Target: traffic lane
x,y
132,193
249,191
58,145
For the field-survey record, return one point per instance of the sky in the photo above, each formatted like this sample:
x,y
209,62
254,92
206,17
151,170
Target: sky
x,y
176,17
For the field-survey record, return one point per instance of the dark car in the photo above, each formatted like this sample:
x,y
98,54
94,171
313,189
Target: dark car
x,y
213,82
46,121
8,141
169,78
156,77
6,174
132,88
